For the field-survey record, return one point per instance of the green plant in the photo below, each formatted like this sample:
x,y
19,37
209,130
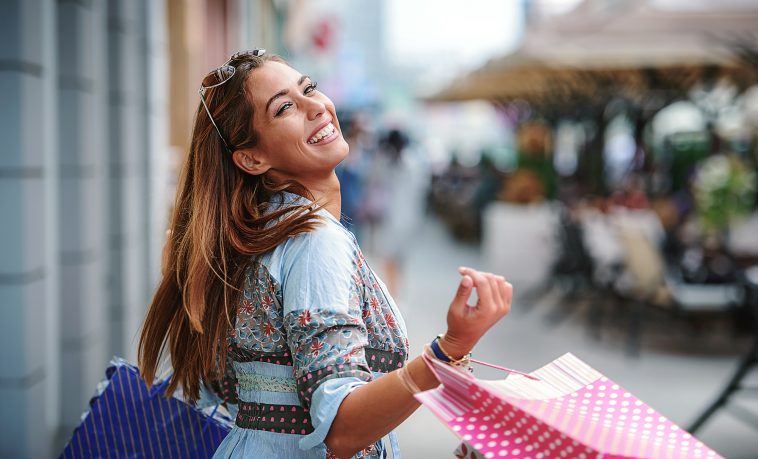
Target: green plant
x,y
724,189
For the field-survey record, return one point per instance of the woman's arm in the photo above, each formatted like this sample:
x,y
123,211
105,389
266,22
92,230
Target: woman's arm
x,y
373,410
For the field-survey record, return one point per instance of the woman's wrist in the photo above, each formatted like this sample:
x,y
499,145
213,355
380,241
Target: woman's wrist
x,y
454,348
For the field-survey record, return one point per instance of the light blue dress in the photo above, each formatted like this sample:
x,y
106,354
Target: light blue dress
x,y
313,323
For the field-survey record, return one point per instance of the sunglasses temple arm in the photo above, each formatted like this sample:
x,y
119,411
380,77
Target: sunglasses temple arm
x,y
218,131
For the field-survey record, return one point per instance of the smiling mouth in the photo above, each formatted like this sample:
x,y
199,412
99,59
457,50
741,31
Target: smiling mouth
x,y
322,134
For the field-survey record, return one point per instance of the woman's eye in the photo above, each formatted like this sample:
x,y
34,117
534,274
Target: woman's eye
x,y
284,107
310,88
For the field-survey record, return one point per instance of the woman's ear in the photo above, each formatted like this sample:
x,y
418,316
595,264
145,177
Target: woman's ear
x,y
251,161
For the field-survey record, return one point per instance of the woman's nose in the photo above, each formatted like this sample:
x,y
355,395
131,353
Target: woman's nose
x,y
315,108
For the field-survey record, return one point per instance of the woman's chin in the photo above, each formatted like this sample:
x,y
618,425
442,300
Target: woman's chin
x,y
344,147
337,150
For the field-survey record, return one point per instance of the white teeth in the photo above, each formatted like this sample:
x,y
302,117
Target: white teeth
x,y
324,132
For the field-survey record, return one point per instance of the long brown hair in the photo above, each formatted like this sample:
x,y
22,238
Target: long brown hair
x,y
219,223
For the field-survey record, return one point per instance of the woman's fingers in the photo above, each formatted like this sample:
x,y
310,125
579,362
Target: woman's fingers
x,y
497,295
483,290
465,287
494,292
507,291
467,324
482,285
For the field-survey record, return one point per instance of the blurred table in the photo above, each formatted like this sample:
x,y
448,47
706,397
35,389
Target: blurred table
x,y
518,241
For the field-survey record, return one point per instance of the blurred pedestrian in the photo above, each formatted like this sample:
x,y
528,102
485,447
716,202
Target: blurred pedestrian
x,y
403,182
352,173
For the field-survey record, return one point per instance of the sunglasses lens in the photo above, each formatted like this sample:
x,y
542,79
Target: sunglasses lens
x,y
219,76
224,73
256,53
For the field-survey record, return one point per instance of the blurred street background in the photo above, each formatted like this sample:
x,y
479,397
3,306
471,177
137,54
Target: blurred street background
x,y
600,154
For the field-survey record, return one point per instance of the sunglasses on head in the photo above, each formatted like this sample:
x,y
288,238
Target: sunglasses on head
x,y
219,76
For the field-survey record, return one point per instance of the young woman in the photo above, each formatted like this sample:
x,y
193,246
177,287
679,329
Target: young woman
x,y
267,298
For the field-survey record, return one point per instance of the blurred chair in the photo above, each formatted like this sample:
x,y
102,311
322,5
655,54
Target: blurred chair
x,y
601,240
452,198
747,362
601,255
649,286
572,268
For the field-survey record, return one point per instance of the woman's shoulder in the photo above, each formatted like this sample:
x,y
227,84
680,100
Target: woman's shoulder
x,y
328,245
326,241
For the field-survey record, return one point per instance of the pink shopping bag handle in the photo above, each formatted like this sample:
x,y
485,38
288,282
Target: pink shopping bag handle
x,y
430,363
509,370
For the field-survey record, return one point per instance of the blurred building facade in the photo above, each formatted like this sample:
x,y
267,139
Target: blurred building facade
x,y
83,128
99,101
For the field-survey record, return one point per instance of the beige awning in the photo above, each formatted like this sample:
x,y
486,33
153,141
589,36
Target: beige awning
x,y
579,57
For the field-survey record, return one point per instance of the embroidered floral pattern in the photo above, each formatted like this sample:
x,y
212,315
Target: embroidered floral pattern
x,y
259,324
370,452
384,331
259,312
318,338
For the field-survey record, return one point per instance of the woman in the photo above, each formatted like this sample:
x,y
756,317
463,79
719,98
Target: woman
x,y
267,298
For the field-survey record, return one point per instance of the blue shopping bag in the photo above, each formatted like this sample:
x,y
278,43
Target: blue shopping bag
x,y
126,419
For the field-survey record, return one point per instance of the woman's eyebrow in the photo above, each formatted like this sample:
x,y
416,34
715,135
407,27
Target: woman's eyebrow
x,y
284,92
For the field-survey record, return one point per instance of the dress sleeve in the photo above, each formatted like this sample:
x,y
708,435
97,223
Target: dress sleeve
x,y
323,323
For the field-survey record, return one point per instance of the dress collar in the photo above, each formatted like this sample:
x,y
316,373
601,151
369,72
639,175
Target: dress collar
x,y
285,198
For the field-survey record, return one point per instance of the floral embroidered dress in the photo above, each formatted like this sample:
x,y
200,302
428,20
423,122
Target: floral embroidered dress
x,y
313,323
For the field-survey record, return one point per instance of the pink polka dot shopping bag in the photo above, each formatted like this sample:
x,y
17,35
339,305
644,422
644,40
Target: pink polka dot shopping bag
x,y
566,409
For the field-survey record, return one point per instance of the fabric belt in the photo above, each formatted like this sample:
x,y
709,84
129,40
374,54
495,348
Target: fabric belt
x,y
289,419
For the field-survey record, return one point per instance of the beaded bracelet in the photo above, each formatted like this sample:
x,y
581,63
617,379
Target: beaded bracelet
x,y
440,354
463,365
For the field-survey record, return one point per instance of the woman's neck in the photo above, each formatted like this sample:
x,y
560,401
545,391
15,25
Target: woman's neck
x,y
327,191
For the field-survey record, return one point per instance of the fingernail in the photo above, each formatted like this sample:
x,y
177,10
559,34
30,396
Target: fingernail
x,y
466,281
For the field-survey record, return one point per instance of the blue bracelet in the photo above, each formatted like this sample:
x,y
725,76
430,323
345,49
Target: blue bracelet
x,y
438,352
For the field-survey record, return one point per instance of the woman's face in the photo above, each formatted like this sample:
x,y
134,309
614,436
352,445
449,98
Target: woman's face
x,y
299,135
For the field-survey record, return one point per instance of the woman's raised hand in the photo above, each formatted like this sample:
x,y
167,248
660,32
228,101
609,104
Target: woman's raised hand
x,y
467,323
